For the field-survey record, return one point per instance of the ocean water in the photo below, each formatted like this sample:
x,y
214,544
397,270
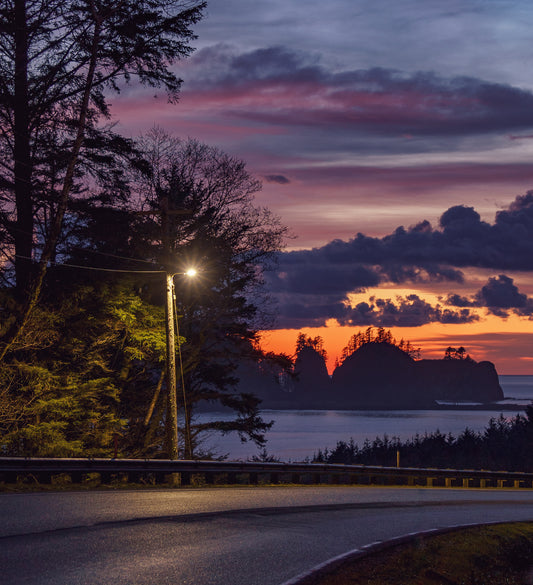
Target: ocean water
x,y
517,387
297,434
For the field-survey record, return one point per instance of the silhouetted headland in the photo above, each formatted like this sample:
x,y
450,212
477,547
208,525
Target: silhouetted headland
x,y
377,376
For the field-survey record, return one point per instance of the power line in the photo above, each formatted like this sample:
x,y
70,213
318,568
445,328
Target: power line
x,y
129,258
112,255
97,268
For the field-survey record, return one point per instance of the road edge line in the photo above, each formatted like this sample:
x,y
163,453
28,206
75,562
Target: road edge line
x,y
378,546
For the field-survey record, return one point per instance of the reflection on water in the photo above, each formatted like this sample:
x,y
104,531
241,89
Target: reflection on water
x,y
299,434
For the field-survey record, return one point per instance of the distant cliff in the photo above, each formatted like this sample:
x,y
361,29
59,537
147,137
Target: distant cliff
x,y
460,380
378,375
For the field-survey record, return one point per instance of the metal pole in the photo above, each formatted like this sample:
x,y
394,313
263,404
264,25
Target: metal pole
x,y
172,403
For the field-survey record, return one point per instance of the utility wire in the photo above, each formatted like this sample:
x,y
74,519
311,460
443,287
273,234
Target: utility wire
x,y
87,250
59,265
112,255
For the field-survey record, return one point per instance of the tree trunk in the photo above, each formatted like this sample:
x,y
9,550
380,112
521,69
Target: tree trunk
x,y
154,400
23,235
57,224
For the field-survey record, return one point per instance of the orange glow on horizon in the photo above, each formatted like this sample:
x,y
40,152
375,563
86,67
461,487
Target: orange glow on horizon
x,y
508,343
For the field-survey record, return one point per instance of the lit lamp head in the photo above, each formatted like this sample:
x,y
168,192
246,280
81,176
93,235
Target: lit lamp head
x,y
191,272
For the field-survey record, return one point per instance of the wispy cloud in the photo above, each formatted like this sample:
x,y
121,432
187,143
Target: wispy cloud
x,y
279,179
282,87
350,135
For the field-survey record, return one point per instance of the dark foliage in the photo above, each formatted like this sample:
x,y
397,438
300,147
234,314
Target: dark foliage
x,y
377,335
504,445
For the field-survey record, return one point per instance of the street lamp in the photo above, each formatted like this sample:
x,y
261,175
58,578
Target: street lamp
x,y
172,402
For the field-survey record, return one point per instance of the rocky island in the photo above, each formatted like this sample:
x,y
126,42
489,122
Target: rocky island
x,y
378,374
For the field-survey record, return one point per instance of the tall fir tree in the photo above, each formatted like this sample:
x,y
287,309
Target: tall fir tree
x,y
58,61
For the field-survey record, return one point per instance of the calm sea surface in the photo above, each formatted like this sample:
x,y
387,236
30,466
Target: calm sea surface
x,y
297,434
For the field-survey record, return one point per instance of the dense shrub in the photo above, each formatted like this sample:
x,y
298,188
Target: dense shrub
x,y
506,444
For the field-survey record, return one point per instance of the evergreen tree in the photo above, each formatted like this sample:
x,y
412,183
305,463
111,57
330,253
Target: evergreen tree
x,y
315,343
379,335
95,345
504,445
87,362
219,230
58,61
452,353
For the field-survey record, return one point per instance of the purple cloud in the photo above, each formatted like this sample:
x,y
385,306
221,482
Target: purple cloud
x,y
279,179
318,281
500,296
291,88
501,292
462,240
410,311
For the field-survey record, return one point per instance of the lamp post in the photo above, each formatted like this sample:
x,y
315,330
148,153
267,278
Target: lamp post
x,y
172,400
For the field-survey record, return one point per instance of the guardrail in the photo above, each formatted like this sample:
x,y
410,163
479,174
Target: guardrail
x,y
153,471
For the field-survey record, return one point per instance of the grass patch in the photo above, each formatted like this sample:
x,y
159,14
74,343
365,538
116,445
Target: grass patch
x,y
499,554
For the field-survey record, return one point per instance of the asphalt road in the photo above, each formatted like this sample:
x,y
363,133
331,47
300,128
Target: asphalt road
x,y
236,536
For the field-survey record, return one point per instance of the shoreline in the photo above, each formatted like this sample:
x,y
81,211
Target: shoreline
x,y
465,407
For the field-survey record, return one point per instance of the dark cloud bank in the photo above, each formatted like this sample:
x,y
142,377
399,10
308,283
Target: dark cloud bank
x,y
311,286
377,110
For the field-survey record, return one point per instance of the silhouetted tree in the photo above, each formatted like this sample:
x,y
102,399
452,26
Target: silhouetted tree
x,y
106,342
504,445
379,335
220,231
58,62
452,353
314,343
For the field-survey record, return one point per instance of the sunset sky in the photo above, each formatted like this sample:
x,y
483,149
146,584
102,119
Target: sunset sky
x,y
395,139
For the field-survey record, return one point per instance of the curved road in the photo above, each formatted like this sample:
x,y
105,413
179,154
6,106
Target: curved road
x,y
235,536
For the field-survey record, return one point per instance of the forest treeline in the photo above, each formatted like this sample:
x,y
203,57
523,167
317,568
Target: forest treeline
x,y
91,224
505,445
371,335
361,338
